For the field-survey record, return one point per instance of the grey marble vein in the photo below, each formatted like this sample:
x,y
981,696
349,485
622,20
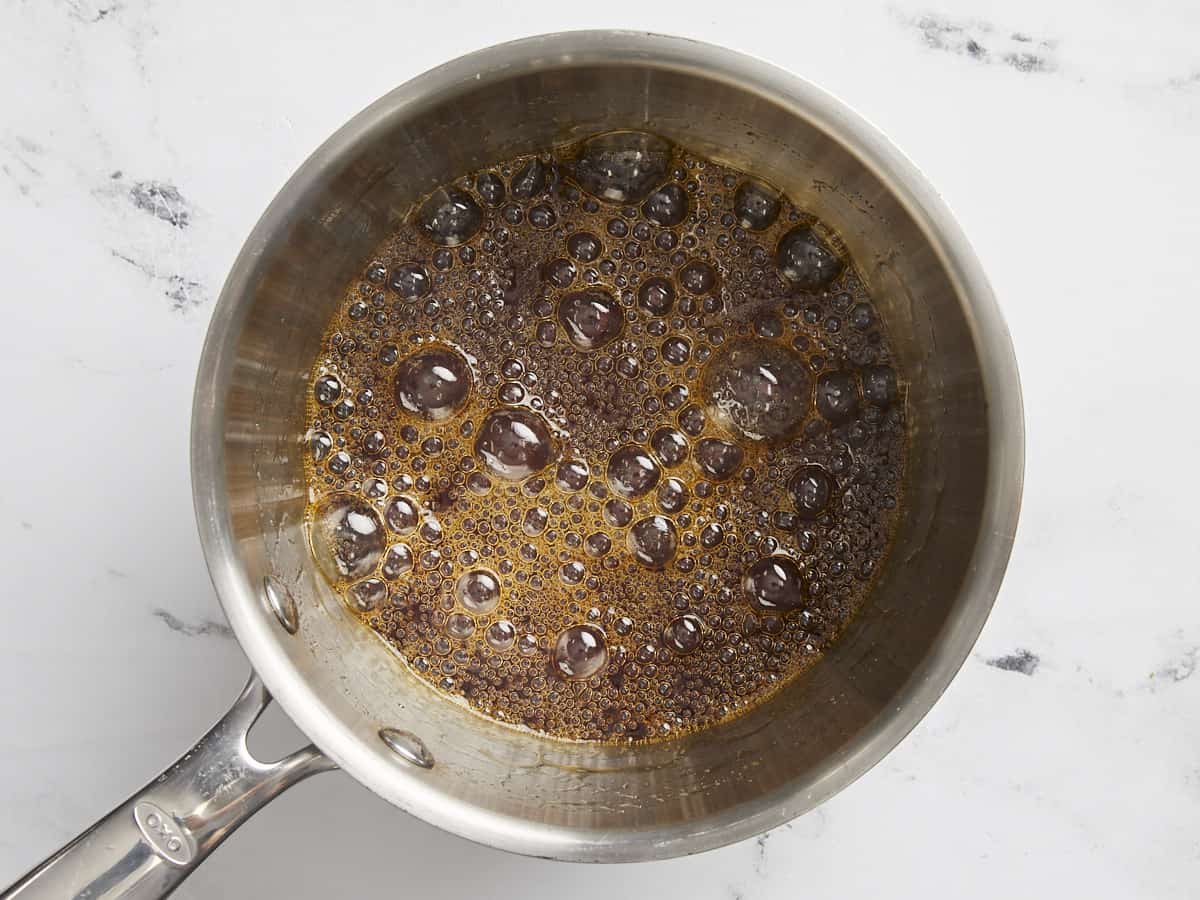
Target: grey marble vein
x,y
984,42
1021,660
206,628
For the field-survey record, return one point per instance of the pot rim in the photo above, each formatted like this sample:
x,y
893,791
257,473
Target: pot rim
x,y
262,645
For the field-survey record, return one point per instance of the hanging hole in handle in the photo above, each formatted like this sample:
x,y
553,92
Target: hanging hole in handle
x,y
274,736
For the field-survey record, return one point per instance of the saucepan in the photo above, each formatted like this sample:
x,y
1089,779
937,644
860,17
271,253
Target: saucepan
x,y
354,698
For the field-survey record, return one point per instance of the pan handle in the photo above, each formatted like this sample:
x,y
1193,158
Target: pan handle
x,y
146,846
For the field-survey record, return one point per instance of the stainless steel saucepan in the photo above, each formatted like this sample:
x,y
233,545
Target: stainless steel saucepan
x,y
350,694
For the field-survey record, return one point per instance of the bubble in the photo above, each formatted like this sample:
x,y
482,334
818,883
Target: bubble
x,y
511,392
757,388
656,295
579,652
530,180
572,573
410,280
397,562
666,206
346,536
768,326
490,188
542,216
373,442
478,484
623,166
450,217
617,513
717,458
433,383
572,475
431,531
591,318
368,594
628,365
692,420
375,488
711,535
327,389
597,544
535,521
837,396
527,645
774,584
672,495
339,462
514,444
670,446
698,277
584,246
477,591
501,635
811,487
683,634
459,626
676,350
653,541
805,260
756,205
546,334
401,515
319,444
879,385
632,472
559,272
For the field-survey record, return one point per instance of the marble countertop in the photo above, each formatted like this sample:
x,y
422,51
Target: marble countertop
x,y
139,141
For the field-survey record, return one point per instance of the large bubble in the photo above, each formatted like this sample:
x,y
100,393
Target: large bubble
x,y
623,166
433,384
667,206
717,458
632,472
579,652
514,444
811,488
347,537
450,216
478,591
591,318
653,541
837,396
656,295
774,584
756,205
805,260
757,388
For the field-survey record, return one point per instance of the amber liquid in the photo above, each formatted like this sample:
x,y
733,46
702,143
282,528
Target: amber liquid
x,y
692,537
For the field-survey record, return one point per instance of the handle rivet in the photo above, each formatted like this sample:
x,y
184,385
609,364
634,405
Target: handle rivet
x,y
281,602
407,746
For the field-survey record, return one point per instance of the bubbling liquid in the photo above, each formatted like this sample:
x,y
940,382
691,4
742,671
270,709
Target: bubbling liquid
x,y
606,440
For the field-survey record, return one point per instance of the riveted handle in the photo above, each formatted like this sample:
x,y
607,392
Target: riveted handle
x,y
145,847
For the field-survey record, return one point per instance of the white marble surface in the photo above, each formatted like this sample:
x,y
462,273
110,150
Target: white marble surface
x,y
1064,134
